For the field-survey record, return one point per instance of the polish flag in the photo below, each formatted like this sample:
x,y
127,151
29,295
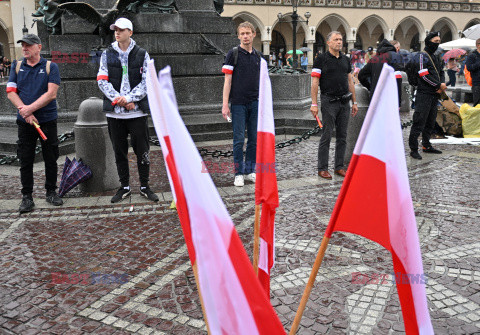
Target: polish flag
x,y
234,300
266,190
375,200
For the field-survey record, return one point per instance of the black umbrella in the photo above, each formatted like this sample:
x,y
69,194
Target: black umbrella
x,y
74,173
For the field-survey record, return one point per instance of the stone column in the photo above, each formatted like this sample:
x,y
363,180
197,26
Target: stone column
x,y
310,53
266,47
391,34
351,44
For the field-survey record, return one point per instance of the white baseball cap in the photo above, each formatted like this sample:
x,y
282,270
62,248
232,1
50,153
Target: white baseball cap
x,y
122,23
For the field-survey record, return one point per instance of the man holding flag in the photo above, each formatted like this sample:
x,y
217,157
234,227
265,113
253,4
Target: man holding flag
x,y
242,73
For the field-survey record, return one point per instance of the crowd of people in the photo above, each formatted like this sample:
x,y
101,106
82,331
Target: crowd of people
x,y
5,65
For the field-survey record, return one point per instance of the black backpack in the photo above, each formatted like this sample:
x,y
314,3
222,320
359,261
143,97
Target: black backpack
x,y
411,68
235,55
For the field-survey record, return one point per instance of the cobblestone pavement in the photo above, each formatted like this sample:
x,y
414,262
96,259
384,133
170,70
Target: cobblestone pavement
x,y
89,236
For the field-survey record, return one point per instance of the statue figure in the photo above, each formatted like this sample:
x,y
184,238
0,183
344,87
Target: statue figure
x,y
218,6
102,21
51,15
155,6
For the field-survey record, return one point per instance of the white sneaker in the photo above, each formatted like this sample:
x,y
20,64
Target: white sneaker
x,y
239,181
252,176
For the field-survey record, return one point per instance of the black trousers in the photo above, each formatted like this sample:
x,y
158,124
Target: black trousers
x,y
118,130
27,141
476,95
334,116
423,119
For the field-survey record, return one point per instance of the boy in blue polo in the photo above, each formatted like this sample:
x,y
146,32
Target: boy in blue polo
x,y
32,88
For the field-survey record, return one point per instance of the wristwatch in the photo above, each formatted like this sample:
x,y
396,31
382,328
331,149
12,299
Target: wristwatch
x,y
355,103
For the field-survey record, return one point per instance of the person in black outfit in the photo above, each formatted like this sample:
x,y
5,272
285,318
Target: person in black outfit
x,y
369,74
332,71
431,83
473,65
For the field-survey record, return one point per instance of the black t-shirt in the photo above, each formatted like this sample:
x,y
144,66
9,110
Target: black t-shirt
x,y
245,75
333,73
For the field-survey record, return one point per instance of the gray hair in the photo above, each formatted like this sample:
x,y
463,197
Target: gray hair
x,y
330,34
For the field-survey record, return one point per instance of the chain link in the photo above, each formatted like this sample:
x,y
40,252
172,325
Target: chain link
x,y
8,160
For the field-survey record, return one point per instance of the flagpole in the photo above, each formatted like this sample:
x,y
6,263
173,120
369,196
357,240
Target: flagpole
x,y
195,273
311,282
256,238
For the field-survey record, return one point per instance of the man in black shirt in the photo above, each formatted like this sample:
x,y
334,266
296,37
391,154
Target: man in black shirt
x,y
242,75
332,70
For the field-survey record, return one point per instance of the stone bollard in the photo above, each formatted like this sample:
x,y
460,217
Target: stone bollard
x,y
355,122
93,146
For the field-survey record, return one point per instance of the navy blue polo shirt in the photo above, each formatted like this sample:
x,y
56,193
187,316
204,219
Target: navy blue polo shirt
x,y
245,75
31,83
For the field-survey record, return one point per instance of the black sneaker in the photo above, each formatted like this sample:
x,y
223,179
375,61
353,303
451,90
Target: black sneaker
x,y
148,193
431,150
415,155
121,194
27,204
53,198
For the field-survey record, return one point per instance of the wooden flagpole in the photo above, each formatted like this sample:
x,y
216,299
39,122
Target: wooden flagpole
x,y
195,273
256,238
311,282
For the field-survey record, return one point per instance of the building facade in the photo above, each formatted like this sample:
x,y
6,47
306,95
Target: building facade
x,y
14,16
363,23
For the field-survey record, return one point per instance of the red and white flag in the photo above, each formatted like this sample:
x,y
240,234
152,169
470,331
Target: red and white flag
x,y
233,297
266,190
375,201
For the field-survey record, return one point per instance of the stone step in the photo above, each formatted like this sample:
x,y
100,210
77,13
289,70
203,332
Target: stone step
x,y
170,43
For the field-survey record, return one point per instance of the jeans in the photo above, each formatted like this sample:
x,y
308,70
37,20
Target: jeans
x,y
423,120
118,129
244,116
27,140
334,115
452,79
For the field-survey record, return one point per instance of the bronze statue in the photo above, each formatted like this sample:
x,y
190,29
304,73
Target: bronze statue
x,y
218,6
51,15
102,21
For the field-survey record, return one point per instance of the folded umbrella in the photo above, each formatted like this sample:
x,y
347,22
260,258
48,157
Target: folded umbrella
x,y
66,166
72,175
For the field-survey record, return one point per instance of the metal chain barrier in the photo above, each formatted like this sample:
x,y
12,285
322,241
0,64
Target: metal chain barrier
x,y
13,158
203,152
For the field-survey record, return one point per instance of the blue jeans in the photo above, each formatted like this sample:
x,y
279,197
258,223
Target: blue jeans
x,y
244,116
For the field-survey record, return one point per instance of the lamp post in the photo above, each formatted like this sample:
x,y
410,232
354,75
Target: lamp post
x,y
295,20
24,29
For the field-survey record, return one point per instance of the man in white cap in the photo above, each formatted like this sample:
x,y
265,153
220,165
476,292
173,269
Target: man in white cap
x,y
122,79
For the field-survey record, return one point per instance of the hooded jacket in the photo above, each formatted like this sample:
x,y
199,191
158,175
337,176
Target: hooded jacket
x,y
369,74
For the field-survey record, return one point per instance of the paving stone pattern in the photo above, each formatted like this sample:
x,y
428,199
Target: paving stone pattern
x,y
89,235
